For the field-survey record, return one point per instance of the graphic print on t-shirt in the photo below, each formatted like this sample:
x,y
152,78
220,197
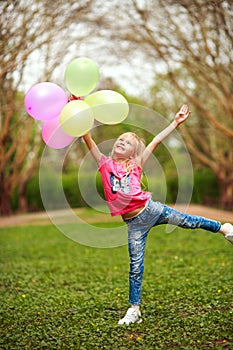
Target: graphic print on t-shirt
x,y
122,185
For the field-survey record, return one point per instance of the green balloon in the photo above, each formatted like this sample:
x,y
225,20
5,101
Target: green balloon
x,y
76,118
81,76
108,106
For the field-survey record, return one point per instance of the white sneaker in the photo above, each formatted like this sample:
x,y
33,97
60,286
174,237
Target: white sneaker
x,y
132,316
229,237
228,231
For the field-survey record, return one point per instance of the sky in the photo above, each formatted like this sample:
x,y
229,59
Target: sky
x,y
134,77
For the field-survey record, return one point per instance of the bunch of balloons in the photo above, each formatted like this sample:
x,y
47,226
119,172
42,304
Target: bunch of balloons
x,y
66,118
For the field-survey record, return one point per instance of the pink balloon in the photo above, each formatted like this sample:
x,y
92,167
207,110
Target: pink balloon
x,y
53,135
44,101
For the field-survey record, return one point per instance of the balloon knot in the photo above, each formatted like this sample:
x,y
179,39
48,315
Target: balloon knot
x,y
73,97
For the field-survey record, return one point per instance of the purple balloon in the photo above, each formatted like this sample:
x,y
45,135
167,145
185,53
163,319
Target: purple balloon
x,y
53,135
44,101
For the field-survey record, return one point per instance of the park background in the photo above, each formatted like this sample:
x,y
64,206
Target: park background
x,y
57,294
159,54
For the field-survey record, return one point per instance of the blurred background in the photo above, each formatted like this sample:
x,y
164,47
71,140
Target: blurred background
x,y
159,54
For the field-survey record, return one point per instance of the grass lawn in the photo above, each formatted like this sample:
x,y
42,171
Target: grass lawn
x,y
58,294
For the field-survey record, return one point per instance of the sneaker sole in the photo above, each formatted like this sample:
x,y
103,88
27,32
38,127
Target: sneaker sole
x,y
127,324
229,239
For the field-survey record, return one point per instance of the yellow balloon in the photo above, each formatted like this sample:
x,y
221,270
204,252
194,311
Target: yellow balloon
x,y
76,118
81,76
108,106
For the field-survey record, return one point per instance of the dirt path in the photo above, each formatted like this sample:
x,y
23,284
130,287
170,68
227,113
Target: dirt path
x,y
42,218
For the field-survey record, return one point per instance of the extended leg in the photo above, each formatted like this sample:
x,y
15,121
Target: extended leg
x,y
174,217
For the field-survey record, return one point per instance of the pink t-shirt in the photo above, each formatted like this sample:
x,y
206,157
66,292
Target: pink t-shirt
x,y
122,191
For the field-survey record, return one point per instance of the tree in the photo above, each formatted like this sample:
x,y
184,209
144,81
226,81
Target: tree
x,y
35,32
190,45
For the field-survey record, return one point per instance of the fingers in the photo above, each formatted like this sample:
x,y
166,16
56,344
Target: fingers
x,y
183,114
184,109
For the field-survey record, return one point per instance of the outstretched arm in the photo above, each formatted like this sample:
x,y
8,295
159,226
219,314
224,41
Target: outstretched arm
x,y
93,148
180,117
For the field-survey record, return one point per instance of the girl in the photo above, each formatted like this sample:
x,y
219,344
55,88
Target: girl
x,y
121,174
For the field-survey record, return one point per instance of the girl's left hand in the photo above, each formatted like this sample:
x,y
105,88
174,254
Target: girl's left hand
x,y
182,115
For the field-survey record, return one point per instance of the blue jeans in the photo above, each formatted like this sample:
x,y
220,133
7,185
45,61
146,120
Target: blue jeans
x,y
155,214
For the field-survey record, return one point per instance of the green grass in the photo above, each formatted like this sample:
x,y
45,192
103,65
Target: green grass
x,y
57,294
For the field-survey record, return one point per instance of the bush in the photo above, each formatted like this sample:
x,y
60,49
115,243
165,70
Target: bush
x,y
71,190
206,189
88,190
33,194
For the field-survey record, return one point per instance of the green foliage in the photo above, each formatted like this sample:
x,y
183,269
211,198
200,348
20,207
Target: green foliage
x,y
33,192
14,200
205,189
71,189
57,294
75,195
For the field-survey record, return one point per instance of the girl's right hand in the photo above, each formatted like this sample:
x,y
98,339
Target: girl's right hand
x,y
182,115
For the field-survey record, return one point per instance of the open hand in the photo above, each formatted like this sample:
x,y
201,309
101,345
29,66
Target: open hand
x,y
182,115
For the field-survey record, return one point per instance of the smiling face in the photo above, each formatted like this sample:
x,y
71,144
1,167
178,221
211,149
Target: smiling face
x,y
125,147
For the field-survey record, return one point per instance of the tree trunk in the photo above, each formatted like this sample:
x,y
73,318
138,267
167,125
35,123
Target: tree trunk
x,y
226,193
5,205
23,205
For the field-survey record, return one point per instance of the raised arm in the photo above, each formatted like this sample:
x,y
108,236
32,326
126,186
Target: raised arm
x,y
180,117
93,148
